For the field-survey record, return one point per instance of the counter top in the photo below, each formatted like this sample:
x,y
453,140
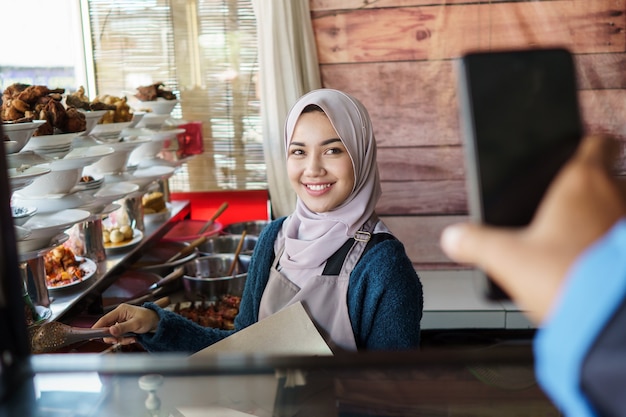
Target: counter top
x,y
453,299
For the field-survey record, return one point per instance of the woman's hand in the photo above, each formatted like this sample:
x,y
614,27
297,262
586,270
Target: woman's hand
x,y
127,319
530,264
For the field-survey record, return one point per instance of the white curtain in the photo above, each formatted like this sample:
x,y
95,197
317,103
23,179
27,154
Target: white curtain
x,y
288,69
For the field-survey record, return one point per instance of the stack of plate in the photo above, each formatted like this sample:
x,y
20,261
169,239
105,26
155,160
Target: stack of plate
x,y
54,146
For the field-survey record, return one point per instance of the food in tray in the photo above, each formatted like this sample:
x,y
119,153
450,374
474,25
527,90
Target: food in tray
x,y
24,102
153,92
153,202
62,267
116,235
219,315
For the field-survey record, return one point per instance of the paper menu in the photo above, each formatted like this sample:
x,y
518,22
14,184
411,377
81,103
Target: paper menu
x,y
288,332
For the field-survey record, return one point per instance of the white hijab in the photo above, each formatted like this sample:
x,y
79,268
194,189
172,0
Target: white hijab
x,y
311,238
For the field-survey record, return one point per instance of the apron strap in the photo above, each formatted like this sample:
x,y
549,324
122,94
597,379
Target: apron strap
x,y
335,262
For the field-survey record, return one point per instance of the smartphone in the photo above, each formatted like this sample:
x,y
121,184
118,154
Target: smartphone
x,y
520,122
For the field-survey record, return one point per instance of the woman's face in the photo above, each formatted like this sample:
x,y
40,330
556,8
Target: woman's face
x,y
318,164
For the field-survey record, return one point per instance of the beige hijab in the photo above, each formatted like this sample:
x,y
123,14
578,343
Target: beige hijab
x,y
311,238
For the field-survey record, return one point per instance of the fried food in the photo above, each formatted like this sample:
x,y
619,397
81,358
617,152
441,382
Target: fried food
x,y
24,103
76,120
62,267
153,92
121,110
80,100
220,315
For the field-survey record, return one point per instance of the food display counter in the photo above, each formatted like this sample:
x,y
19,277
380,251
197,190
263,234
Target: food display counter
x,y
66,303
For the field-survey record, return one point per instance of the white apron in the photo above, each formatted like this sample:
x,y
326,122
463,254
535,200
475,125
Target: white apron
x,y
323,296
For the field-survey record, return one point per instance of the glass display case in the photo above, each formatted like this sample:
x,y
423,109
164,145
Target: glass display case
x,y
461,382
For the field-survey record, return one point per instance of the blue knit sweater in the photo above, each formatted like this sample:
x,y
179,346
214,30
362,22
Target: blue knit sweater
x,y
384,302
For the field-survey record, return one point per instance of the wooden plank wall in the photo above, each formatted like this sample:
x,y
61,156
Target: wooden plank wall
x,y
398,57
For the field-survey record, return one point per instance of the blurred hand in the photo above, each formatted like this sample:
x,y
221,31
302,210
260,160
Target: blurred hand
x,y
127,319
530,264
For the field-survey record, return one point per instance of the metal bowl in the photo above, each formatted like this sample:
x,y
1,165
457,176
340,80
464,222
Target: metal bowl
x,y
251,227
206,278
228,244
153,259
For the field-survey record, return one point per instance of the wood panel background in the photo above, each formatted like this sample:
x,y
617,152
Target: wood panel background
x,y
398,57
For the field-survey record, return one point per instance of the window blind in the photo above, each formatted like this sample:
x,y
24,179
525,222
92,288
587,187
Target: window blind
x,y
206,52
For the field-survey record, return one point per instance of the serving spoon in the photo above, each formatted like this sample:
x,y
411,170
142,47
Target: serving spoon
x,y
53,335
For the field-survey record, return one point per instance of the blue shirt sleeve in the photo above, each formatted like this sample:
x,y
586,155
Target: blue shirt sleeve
x,y
594,289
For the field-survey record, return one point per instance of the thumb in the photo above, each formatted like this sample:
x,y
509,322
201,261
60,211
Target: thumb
x,y
118,329
474,244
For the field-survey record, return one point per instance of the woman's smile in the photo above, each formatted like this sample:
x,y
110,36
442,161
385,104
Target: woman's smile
x,y
318,164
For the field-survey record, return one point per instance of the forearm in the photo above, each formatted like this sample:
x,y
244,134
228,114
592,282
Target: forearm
x,y
178,334
593,292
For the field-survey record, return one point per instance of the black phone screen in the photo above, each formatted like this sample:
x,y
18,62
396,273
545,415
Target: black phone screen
x,y
521,123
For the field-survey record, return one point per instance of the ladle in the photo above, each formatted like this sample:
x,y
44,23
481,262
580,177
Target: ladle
x,y
53,335
233,265
209,223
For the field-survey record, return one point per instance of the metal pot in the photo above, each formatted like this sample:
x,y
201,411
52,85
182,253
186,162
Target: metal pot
x,y
206,278
251,227
228,244
154,259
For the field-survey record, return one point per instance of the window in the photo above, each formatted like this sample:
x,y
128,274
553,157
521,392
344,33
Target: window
x,y
58,62
203,50
206,52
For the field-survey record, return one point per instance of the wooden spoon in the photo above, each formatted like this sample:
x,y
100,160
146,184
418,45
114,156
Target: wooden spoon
x,y
233,265
187,249
208,224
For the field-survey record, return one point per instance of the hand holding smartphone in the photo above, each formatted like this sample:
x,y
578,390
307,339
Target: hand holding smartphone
x,y
520,122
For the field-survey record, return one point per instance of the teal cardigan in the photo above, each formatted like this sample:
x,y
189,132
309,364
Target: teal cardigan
x,y
385,302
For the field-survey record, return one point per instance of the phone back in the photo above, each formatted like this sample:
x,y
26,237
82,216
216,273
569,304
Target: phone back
x,y
520,122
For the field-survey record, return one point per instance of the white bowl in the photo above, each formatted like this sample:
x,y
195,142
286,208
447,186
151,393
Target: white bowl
x,y
48,225
11,146
20,178
153,121
117,161
55,182
20,132
54,202
21,233
145,176
42,224
137,116
92,118
81,157
158,106
107,194
109,129
22,214
34,248
51,142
